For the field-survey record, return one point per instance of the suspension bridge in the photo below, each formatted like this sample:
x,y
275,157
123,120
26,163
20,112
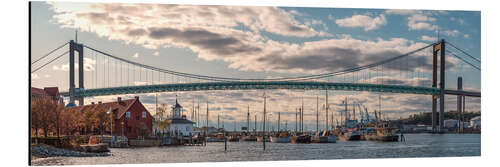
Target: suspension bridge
x,y
414,72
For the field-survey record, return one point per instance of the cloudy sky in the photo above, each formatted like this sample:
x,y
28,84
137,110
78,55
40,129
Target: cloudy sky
x,y
260,42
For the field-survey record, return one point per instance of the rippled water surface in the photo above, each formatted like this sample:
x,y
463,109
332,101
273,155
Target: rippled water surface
x,y
417,145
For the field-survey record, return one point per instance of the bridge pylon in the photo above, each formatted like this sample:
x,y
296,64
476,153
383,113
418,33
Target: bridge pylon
x,y
73,46
438,47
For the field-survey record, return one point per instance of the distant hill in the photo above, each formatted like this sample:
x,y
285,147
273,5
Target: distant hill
x,y
426,117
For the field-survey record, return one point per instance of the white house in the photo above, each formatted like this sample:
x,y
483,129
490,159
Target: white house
x,y
178,124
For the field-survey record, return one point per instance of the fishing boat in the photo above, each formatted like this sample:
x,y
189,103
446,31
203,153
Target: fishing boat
x,y
370,134
300,138
387,134
350,135
282,137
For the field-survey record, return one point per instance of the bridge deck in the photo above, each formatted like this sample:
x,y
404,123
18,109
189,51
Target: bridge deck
x,y
254,85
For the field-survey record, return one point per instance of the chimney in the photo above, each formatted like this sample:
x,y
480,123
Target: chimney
x,y
137,97
119,99
99,102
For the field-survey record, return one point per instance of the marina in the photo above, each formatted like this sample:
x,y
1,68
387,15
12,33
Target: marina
x,y
417,145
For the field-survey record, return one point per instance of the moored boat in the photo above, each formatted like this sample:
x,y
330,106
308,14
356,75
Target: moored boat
x,y
260,139
350,135
386,134
300,138
282,137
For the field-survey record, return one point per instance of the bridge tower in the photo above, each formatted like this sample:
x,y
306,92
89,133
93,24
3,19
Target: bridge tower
x,y
73,46
439,47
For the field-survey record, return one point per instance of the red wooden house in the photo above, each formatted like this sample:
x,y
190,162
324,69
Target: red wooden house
x,y
130,117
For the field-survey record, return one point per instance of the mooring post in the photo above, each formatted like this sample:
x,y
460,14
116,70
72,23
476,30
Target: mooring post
x,y
225,141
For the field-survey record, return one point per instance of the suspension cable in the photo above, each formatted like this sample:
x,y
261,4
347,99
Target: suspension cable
x,y
478,60
50,61
203,77
49,53
464,60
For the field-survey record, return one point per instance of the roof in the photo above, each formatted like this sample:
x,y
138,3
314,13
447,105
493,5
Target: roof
x,y
177,105
179,121
118,107
52,91
37,91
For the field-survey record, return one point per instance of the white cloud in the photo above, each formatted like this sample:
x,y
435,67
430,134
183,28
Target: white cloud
x,y
270,19
88,64
363,21
452,33
402,11
466,35
421,22
34,76
136,55
156,53
428,38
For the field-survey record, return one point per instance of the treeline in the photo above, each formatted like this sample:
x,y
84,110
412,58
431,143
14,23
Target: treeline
x,y
48,118
426,117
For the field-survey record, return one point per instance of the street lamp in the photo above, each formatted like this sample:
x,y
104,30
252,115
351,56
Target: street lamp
x,y
110,112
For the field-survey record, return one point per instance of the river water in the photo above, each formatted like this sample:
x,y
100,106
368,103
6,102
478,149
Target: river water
x,y
416,145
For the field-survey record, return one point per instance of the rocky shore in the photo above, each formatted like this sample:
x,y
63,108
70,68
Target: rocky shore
x,y
43,154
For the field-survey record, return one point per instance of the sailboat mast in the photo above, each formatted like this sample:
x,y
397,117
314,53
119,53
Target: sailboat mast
x,y
326,107
302,117
279,122
317,113
248,118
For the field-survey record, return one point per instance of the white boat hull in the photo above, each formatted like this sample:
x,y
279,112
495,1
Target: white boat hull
x,y
280,139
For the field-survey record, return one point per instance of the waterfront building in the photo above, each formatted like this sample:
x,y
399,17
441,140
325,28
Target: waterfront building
x,y
129,117
178,124
47,92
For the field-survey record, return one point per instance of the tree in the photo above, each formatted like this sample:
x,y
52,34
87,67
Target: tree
x,y
45,115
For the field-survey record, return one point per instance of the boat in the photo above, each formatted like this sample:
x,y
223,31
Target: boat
x,y
386,134
331,138
260,139
350,135
248,138
370,134
300,138
233,138
218,138
282,137
319,138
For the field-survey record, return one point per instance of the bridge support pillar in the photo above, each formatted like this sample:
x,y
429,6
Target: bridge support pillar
x,y
434,84
73,46
459,105
438,120
442,87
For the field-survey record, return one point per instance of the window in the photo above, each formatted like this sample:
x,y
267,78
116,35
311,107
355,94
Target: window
x,y
144,114
127,114
187,128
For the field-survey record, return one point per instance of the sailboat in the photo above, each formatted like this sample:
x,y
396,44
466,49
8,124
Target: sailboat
x,y
281,136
